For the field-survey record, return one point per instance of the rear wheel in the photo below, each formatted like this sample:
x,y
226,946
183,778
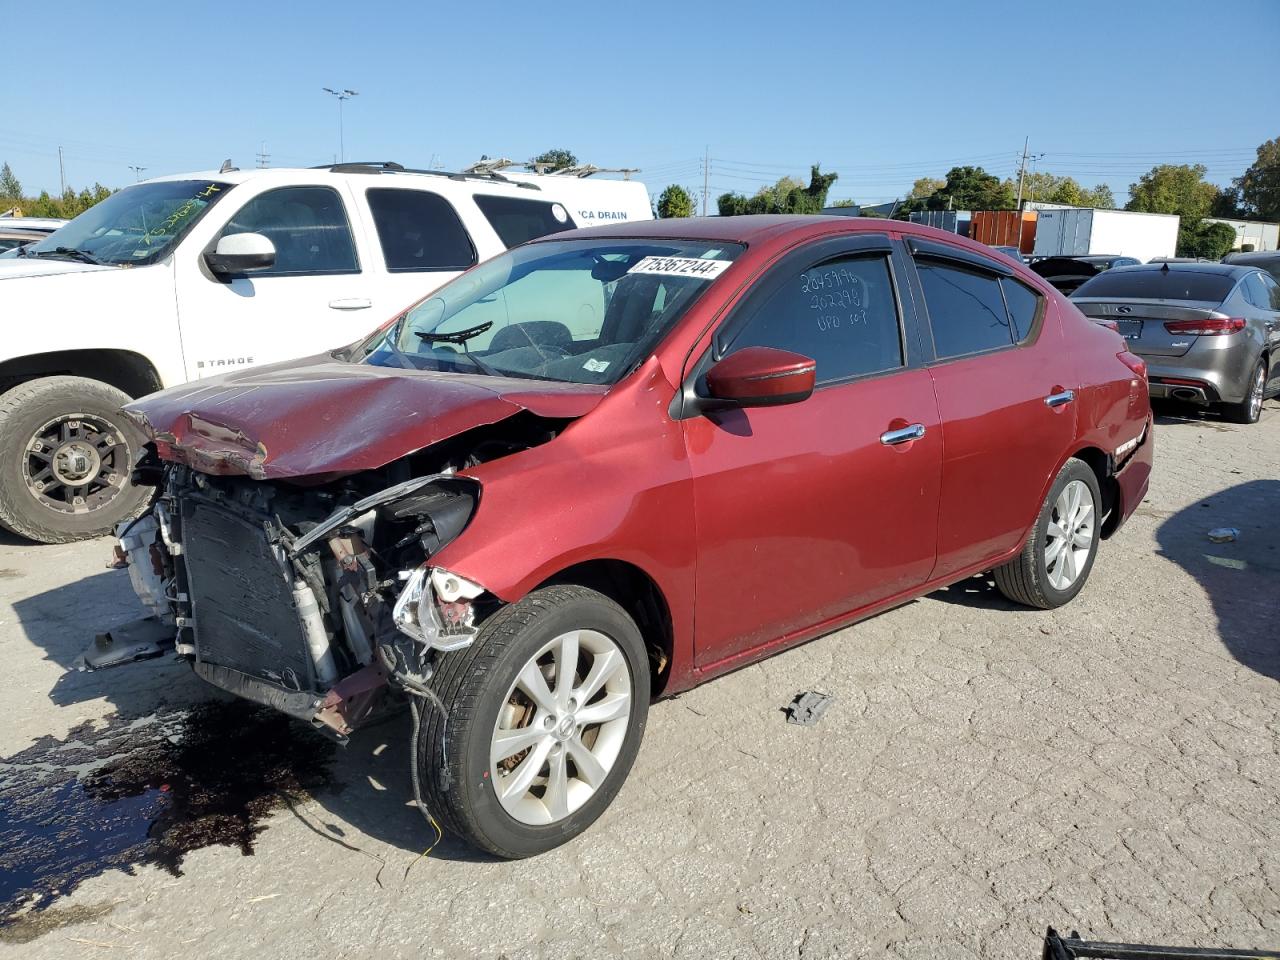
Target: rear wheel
x,y
546,710
1055,563
1249,409
66,452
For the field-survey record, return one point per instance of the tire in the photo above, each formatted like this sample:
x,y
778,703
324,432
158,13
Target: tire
x,y
1029,578
1249,410
81,434
478,687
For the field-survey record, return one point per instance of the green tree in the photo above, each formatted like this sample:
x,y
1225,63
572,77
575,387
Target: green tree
x,y
1259,186
925,187
1204,238
1227,204
552,160
1173,188
676,201
10,188
844,203
972,188
785,196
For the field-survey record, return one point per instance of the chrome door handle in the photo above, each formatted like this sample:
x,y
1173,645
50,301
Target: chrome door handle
x,y
1058,399
905,435
351,303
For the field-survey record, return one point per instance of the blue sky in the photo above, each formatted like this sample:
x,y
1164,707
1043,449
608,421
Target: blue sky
x,y
880,93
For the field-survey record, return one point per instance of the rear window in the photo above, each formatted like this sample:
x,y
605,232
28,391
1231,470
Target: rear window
x,y
1171,284
518,219
966,310
419,231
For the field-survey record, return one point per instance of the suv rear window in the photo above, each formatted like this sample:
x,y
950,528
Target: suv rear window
x,y
419,231
1171,284
517,219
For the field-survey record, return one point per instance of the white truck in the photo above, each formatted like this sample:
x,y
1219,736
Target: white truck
x,y
189,276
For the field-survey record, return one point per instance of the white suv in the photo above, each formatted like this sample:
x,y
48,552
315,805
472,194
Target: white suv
x,y
184,277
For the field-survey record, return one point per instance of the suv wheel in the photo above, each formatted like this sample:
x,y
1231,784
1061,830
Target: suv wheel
x,y
546,710
66,452
1249,409
1055,563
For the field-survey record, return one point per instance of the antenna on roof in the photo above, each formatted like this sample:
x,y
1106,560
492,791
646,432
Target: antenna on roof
x,y
227,167
1164,267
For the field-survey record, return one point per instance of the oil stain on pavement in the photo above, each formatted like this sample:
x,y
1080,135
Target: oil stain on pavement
x,y
119,795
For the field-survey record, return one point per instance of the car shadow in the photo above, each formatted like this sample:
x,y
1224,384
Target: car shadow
x,y
368,784
1241,577
978,591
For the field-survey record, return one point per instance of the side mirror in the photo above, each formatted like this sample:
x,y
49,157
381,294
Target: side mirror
x,y
762,377
241,253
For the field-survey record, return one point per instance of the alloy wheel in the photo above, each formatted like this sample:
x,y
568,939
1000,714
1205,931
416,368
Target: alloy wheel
x,y
1255,395
1070,535
561,727
76,463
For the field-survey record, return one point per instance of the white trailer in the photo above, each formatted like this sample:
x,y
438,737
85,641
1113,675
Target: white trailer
x,y
1254,234
1077,231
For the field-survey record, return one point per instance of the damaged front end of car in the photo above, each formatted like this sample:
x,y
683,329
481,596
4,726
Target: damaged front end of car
x,y
318,601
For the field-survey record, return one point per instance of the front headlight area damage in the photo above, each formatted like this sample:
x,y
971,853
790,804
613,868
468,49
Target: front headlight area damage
x,y
318,601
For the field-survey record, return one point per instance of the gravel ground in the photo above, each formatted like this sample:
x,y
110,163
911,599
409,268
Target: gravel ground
x,y
984,772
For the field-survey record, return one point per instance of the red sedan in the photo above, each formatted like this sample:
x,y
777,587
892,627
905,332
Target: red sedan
x,y
614,463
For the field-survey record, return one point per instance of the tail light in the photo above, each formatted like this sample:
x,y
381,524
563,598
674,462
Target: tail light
x,y
1213,327
1134,363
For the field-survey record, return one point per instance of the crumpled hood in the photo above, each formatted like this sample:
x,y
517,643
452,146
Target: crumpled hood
x,y
320,416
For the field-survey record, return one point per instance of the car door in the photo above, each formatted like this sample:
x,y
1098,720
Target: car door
x,y
808,511
1264,293
314,297
1006,389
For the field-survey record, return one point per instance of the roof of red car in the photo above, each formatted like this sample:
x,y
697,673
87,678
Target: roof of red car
x,y
736,229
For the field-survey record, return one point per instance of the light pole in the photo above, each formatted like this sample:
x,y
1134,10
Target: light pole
x,y
137,171
341,95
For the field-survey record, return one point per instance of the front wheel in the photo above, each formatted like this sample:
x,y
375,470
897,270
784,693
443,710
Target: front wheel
x,y
1055,562
545,713
66,452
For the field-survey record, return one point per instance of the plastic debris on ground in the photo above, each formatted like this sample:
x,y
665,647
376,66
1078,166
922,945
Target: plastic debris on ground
x,y
807,708
1223,534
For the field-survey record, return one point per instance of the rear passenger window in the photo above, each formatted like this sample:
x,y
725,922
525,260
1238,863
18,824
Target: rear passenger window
x,y
517,219
1023,304
1256,292
841,314
966,310
419,231
307,226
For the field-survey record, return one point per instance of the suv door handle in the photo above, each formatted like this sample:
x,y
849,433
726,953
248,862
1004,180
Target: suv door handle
x,y
351,303
1058,399
905,435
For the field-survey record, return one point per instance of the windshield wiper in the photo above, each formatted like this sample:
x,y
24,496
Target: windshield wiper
x,y
69,252
460,337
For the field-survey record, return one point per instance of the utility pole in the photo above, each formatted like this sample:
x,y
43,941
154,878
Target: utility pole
x,y
1022,173
137,171
264,158
706,176
341,95
62,171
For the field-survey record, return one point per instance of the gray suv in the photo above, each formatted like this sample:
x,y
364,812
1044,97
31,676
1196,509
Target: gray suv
x,y
1209,332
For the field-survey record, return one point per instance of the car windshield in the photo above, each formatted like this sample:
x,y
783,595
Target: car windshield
x,y
1172,284
579,311
137,225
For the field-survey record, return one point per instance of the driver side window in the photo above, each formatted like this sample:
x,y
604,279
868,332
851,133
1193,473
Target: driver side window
x,y
308,227
841,313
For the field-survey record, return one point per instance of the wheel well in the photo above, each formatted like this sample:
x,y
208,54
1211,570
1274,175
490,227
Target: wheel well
x,y
125,370
637,593
1104,469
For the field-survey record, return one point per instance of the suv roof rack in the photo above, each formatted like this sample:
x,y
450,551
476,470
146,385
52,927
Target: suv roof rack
x,y
390,166
582,170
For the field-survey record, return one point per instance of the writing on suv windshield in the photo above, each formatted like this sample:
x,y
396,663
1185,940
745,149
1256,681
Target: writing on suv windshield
x,y
137,225
579,311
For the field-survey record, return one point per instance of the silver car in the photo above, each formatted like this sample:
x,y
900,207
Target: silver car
x,y
1209,332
